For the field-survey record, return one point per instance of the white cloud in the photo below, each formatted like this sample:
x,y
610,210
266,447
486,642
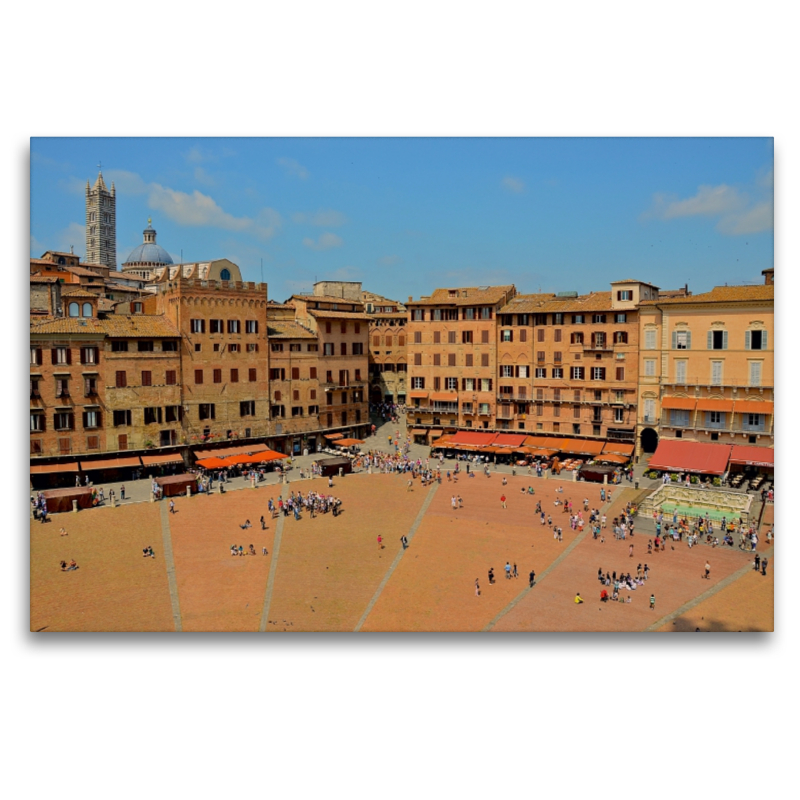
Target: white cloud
x,y
757,219
324,218
325,242
512,184
293,168
198,209
72,185
125,182
737,213
709,201
197,155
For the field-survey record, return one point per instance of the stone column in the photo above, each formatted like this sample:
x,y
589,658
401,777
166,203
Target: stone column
x,y
74,506
188,491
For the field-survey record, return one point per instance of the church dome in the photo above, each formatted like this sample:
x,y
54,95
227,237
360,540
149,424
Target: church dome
x,y
148,253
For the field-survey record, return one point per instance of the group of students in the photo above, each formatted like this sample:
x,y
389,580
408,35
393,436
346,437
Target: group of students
x,y
622,581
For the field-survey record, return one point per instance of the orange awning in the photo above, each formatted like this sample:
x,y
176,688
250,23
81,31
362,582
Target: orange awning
x,y
418,395
613,458
162,458
211,463
543,441
679,403
111,463
582,447
715,405
620,448
45,469
754,407
444,397
230,451
753,456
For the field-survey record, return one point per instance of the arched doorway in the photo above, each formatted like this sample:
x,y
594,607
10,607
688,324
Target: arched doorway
x,y
649,440
375,395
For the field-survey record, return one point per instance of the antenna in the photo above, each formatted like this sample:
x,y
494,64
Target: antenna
x,y
262,270
181,255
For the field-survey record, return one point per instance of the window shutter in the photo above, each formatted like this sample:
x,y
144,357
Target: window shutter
x,y
53,356
747,340
675,340
724,340
688,340
710,341
602,373
763,340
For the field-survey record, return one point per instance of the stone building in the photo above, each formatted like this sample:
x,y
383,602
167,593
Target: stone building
x,y
294,385
706,367
583,365
342,330
101,223
388,360
452,359
223,354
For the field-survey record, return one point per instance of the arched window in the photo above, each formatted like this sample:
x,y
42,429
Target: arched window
x,y
74,310
225,275
87,309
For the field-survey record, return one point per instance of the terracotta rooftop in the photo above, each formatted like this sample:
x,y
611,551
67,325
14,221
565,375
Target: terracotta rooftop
x,y
37,278
79,293
525,303
89,273
721,294
475,295
634,280
112,326
324,298
339,314
583,304
288,329
388,314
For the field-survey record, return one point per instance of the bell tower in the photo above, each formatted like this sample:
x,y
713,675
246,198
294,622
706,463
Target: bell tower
x,y
101,223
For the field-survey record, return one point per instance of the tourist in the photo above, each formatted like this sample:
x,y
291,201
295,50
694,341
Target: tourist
x,y
652,601
171,506
477,588
63,532
708,570
503,500
578,598
531,579
508,570
764,562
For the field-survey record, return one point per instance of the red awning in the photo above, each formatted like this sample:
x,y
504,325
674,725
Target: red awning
x,y
753,456
445,397
582,447
509,439
715,405
613,458
111,463
162,458
754,407
211,463
676,456
417,395
46,469
468,437
679,403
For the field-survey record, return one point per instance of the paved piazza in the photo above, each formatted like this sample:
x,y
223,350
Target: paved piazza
x,y
330,574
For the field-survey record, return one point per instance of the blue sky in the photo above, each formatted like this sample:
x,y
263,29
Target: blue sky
x,y
407,215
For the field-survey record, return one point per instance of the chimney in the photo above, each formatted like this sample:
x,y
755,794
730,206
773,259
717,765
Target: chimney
x,y
410,299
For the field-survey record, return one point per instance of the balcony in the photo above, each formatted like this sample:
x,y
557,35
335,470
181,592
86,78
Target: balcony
x,y
514,398
597,348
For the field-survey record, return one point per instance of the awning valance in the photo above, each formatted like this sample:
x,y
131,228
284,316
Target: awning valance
x,y
715,405
47,469
754,407
753,456
111,463
162,458
679,403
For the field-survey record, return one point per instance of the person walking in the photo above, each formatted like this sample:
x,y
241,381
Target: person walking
x,y
477,588
380,542
122,492
757,562
708,570
630,552
404,542
515,571
531,579
171,506
652,601
764,562
503,500
508,570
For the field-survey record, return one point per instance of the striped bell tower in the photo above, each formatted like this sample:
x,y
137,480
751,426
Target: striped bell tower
x,y
101,223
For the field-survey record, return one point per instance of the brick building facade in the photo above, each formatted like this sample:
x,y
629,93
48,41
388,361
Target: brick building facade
x,y
388,352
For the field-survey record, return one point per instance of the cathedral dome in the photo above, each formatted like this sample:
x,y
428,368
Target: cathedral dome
x,y
148,253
